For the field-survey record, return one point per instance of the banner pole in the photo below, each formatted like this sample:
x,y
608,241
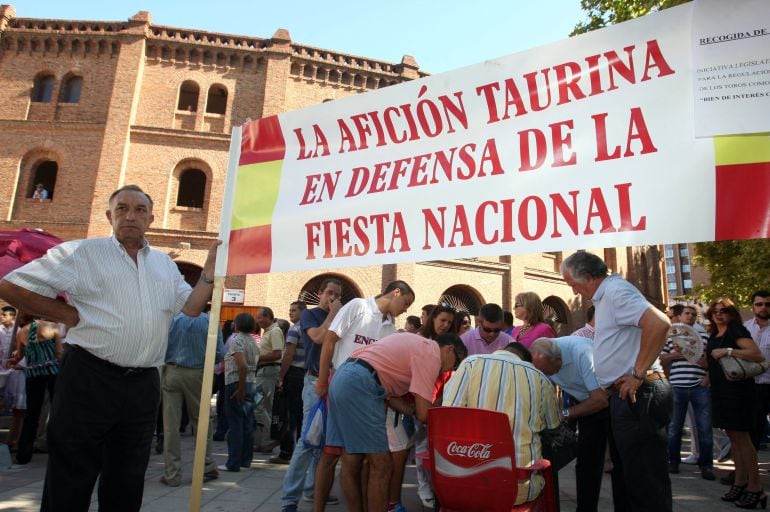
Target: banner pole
x,y
204,413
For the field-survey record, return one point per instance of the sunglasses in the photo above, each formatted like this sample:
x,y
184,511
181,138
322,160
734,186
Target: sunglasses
x,y
518,305
760,304
491,331
466,322
721,311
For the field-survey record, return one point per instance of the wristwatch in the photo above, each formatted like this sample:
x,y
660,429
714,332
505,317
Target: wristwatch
x,y
206,279
637,377
730,352
565,413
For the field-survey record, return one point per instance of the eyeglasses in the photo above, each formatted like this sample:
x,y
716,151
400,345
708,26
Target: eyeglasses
x,y
760,304
466,322
518,305
491,331
720,311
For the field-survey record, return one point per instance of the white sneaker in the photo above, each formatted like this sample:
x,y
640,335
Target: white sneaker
x,y
428,502
331,500
690,459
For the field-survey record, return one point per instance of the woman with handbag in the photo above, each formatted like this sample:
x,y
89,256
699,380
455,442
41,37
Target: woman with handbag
x,y
732,401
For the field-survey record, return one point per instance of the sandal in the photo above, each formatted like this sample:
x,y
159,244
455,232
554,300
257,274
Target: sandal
x,y
751,499
735,493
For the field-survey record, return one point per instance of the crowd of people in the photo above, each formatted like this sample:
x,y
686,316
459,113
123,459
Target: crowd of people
x,y
620,380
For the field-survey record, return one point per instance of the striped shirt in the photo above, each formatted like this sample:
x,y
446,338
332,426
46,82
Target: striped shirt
x,y
502,382
587,331
761,336
684,374
293,337
187,341
125,308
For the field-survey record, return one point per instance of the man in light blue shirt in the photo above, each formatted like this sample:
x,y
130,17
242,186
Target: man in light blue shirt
x,y
181,384
569,363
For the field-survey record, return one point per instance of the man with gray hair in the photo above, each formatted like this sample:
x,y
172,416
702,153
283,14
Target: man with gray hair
x,y
569,363
630,334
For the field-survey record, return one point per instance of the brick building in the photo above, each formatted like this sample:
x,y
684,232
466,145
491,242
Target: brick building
x,y
88,106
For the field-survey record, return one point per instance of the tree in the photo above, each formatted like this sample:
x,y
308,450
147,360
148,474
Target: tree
x,y
602,13
738,268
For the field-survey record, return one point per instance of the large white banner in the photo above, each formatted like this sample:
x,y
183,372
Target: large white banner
x,y
588,142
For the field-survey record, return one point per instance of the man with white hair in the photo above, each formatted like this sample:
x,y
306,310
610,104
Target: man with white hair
x,y
569,363
630,334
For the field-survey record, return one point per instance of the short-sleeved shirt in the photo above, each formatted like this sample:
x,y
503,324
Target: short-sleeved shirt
x,y
405,363
241,342
293,337
503,382
587,331
619,307
360,322
125,307
5,343
761,336
540,330
311,319
576,375
272,339
476,344
684,374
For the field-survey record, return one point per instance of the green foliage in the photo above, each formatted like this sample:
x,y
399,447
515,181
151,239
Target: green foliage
x,y
738,268
602,13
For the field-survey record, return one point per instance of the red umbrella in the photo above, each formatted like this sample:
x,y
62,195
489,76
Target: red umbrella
x,y
19,247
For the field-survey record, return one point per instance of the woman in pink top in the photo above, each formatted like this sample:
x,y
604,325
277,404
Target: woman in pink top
x,y
529,310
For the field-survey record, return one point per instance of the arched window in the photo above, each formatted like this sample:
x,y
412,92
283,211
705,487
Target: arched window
x,y
70,89
192,187
42,89
216,103
188,96
44,173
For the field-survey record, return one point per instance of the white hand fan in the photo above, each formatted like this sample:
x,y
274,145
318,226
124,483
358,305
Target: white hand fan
x,y
687,341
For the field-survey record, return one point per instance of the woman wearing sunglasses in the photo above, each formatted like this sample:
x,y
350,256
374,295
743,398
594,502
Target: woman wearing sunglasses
x,y
732,402
529,310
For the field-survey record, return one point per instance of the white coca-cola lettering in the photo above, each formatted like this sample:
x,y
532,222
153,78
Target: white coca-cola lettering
x,y
473,451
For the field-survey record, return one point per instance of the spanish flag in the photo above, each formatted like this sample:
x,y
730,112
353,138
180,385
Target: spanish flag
x,y
257,184
742,187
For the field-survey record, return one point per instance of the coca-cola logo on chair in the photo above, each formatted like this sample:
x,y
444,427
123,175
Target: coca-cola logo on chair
x,y
479,451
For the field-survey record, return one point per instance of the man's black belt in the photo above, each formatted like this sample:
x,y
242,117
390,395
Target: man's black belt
x,y
361,362
269,364
123,370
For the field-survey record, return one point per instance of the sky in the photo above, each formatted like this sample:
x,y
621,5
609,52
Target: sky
x,y
440,35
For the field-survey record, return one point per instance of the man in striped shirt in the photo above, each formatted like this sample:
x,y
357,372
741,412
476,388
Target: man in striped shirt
x,y
122,295
690,386
501,381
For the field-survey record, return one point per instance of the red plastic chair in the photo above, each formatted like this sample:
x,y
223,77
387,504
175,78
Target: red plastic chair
x,y
472,463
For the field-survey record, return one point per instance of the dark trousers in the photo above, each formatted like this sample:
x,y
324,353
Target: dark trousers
x,y
101,425
292,388
592,441
219,382
36,388
762,407
638,443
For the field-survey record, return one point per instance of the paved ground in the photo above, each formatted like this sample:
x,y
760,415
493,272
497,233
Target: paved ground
x,y
259,489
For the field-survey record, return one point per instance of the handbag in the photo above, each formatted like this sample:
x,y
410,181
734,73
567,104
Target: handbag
x,y
736,368
559,445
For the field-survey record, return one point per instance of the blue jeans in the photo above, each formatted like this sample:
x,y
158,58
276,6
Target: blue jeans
x,y
240,421
301,472
700,398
